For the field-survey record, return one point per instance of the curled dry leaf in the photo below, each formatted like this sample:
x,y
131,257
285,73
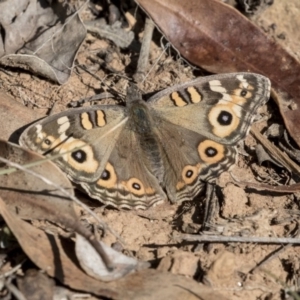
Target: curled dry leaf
x,y
41,36
93,265
215,36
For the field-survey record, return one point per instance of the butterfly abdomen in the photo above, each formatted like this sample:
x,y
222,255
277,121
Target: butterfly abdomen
x,y
141,123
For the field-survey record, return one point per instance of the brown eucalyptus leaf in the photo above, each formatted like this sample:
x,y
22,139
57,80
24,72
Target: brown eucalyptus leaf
x,y
215,36
56,256
14,116
40,36
31,197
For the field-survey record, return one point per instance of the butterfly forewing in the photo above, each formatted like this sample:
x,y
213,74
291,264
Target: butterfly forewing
x,y
79,139
221,107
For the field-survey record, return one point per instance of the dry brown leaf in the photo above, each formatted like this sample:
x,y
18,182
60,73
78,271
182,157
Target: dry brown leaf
x,y
215,36
30,196
14,116
41,36
56,256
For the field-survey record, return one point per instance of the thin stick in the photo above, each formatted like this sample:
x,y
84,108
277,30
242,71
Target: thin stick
x,y
145,50
235,239
13,289
13,270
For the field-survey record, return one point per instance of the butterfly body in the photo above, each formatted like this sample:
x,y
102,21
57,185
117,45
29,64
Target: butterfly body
x,y
168,147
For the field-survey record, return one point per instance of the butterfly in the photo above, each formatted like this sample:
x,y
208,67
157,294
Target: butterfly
x,y
141,154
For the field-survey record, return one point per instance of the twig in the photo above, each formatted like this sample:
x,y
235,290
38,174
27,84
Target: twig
x,y
97,97
293,188
115,33
235,239
271,256
145,50
13,289
13,270
155,63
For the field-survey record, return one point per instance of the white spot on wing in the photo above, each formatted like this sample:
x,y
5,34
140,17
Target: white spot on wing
x,y
243,81
62,120
216,86
39,131
63,127
215,82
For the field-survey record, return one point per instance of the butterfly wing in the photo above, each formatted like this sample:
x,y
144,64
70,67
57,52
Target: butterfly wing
x,y
202,121
127,180
188,163
74,135
97,150
194,130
